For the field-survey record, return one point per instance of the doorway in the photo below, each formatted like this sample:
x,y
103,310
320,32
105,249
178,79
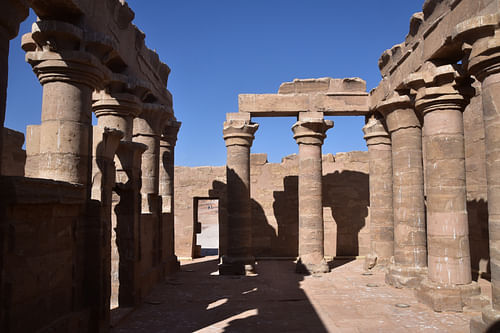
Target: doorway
x,y
207,226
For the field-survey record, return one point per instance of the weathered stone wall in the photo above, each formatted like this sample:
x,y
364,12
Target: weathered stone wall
x,y
13,155
274,204
42,272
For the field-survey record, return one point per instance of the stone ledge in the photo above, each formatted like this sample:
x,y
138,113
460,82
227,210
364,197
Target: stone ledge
x,y
20,190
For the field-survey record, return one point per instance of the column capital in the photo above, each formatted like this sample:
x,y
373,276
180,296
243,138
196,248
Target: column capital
x,y
169,133
54,50
239,132
117,104
480,38
375,131
151,120
439,87
311,131
12,13
398,111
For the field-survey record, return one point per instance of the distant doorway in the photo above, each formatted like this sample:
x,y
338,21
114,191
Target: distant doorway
x,y
207,226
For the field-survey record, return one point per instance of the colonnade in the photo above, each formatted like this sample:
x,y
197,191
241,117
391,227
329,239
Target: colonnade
x,y
309,132
430,244
121,162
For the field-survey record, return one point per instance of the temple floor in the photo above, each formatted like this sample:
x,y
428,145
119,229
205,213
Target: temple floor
x,y
277,300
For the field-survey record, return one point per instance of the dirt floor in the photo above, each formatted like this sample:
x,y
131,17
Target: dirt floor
x,y
278,300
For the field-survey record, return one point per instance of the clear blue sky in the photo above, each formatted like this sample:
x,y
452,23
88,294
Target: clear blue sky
x,y
218,49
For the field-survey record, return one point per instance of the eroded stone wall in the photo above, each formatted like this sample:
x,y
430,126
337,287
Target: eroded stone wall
x,y
274,204
13,154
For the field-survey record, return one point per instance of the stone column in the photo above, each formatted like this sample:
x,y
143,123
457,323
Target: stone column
x,y
410,251
168,140
116,111
128,211
442,95
68,78
381,215
481,38
309,133
12,13
147,129
98,241
238,134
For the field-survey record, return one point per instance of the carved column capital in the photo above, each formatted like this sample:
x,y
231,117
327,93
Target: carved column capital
x,y
480,38
116,104
54,50
311,131
439,87
169,134
375,131
12,13
239,132
151,120
398,111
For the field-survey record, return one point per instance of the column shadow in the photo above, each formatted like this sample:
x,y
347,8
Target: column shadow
x,y
195,300
477,214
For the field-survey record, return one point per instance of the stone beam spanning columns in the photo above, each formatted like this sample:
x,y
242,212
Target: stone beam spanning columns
x,y
12,13
481,41
442,93
168,140
381,215
309,132
68,77
238,134
410,252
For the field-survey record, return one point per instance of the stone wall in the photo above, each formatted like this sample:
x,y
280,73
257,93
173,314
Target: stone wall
x,y
274,204
42,272
13,155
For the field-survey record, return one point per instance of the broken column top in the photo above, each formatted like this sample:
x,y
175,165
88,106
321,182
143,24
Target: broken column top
x,y
323,85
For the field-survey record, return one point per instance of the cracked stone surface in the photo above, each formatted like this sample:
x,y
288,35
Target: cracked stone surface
x,y
277,300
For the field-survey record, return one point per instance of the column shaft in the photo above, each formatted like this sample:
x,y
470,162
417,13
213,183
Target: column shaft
x,y
447,224
309,132
65,139
491,111
239,135
311,230
381,201
410,251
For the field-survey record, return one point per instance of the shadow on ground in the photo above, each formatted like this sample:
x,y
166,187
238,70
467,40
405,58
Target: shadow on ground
x,y
194,300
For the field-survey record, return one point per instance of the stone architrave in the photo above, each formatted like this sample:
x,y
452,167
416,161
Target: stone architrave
x,y
481,41
381,211
168,140
238,134
442,93
12,13
309,132
410,249
68,78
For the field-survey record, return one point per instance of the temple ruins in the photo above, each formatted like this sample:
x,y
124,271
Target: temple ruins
x,y
93,217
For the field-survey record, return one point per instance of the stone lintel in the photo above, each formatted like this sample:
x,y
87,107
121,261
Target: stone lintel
x,y
289,105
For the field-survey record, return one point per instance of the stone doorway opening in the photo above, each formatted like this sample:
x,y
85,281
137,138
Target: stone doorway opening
x,y
206,217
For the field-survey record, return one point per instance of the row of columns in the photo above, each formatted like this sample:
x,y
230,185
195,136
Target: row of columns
x,y
430,236
129,137
309,133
